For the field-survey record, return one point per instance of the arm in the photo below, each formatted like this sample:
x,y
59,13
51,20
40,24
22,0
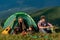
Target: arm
x,y
43,27
50,25
39,25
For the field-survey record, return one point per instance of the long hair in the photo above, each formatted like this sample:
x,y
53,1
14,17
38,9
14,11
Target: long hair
x,y
23,24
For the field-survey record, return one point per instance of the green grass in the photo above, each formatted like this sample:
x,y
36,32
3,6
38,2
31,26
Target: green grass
x,y
53,36
53,15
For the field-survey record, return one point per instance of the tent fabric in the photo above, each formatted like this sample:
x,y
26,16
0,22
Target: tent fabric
x,y
10,21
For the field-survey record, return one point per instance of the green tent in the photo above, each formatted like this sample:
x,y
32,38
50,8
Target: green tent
x,y
10,21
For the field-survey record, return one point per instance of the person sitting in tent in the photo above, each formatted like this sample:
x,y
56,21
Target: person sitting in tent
x,y
30,30
44,26
20,27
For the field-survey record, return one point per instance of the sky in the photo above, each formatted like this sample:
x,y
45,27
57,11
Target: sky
x,y
27,4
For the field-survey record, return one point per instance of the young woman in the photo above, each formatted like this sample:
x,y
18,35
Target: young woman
x,y
20,26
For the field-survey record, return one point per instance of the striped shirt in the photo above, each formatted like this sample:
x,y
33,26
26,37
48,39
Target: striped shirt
x,y
43,24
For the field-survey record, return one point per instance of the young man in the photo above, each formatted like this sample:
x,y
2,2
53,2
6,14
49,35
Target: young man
x,y
44,26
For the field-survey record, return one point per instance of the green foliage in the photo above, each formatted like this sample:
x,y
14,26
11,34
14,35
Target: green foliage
x,y
53,36
52,15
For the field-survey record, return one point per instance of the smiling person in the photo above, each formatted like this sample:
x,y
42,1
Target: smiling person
x,y
44,26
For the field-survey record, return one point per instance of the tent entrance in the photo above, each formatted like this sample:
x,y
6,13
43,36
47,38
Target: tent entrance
x,y
13,20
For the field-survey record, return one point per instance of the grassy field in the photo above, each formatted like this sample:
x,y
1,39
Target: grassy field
x,y
53,16
38,36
